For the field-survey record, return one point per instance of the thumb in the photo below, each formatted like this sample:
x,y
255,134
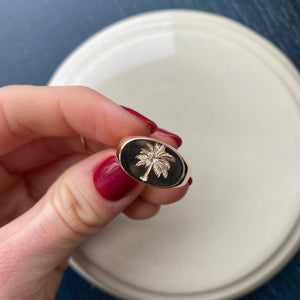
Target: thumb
x,y
83,200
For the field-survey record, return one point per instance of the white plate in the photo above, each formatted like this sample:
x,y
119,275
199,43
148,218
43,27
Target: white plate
x,y
234,98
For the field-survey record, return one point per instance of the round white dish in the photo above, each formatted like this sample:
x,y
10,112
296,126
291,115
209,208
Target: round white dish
x,y
234,98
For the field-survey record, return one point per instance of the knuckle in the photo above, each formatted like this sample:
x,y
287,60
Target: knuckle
x,y
8,100
75,211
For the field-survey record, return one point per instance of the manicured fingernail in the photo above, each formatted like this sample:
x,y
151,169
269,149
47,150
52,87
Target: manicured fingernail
x,y
174,136
152,125
190,181
111,181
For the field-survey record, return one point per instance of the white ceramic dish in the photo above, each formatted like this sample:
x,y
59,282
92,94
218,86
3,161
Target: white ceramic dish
x,y
234,98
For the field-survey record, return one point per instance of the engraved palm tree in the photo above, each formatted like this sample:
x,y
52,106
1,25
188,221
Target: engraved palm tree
x,y
156,157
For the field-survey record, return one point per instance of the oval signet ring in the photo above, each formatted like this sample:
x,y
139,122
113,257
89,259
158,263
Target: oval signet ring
x,y
153,163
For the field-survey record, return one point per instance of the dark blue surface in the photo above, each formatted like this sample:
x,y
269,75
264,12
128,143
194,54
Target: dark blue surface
x,y
36,35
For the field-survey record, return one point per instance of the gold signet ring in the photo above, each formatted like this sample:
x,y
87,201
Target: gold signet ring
x,y
153,163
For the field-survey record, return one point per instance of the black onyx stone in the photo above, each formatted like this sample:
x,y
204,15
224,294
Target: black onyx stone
x,y
152,162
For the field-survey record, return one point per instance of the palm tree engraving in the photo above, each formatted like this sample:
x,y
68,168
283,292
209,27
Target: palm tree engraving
x,y
154,156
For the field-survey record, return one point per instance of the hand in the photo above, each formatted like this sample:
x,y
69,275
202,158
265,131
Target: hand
x,y
53,195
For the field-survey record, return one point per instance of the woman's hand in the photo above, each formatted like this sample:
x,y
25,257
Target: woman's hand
x,y
53,195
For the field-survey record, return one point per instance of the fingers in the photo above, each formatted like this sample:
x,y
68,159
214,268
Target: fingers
x,y
42,152
38,181
167,137
82,201
164,196
150,200
141,209
28,112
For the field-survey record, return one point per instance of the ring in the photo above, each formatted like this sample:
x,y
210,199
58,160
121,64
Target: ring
x,y
83,141
153,163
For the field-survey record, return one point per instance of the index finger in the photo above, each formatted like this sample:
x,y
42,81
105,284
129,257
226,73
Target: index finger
x,y
30,112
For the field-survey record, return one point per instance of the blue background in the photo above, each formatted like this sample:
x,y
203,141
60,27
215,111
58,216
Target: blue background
x,y
36,35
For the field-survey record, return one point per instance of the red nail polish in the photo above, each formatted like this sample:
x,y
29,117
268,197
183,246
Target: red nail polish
x,y
152,125
111,181
164,132
190,181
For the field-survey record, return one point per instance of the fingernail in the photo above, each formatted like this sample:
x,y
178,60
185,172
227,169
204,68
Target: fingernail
x,y
152,125
174,136
190,181
111,182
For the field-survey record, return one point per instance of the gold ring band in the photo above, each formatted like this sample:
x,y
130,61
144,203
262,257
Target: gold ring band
x,y
84,143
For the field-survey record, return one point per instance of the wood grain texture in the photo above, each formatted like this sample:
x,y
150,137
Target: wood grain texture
x,y
36,35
